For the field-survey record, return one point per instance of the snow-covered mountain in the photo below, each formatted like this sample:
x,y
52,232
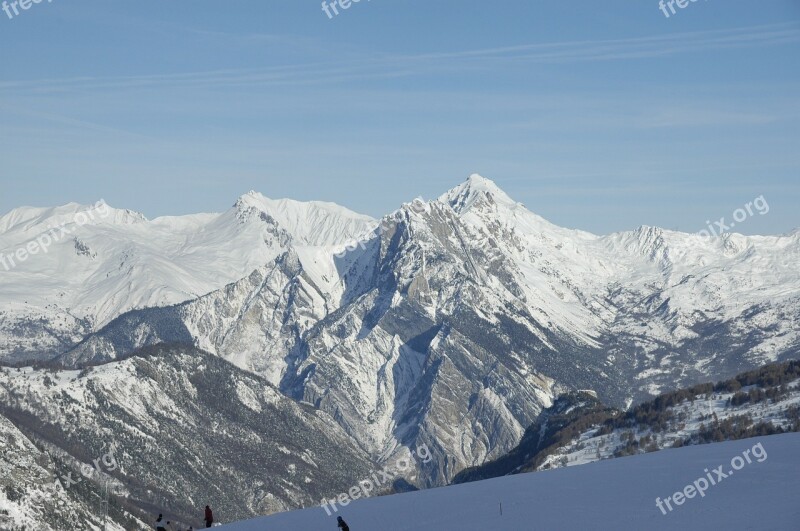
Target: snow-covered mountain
x,y
183,429
31,498
93,263
452,324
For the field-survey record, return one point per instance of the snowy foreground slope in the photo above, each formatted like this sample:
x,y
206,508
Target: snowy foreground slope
x,y
619,494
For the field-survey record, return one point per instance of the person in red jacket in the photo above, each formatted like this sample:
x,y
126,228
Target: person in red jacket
x,y
209,516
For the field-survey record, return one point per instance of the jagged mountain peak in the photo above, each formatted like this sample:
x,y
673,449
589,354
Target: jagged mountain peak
x,y
308,222
474,190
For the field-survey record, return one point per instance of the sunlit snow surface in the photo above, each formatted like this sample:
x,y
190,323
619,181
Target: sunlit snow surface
x,y
617,494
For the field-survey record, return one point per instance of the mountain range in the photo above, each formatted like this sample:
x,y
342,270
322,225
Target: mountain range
x,y
451,323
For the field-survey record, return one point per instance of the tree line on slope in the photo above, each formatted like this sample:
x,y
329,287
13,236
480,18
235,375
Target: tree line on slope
x,y
555,430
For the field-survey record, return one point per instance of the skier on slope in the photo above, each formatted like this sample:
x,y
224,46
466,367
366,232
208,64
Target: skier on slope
x,y
160,524
342,524
209,516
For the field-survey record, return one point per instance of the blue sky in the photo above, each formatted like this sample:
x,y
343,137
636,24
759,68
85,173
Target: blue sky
x,y
597,115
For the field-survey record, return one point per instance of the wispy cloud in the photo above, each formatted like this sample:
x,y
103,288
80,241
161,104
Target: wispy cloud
x,y
703,117
379,65
651,46
66,121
